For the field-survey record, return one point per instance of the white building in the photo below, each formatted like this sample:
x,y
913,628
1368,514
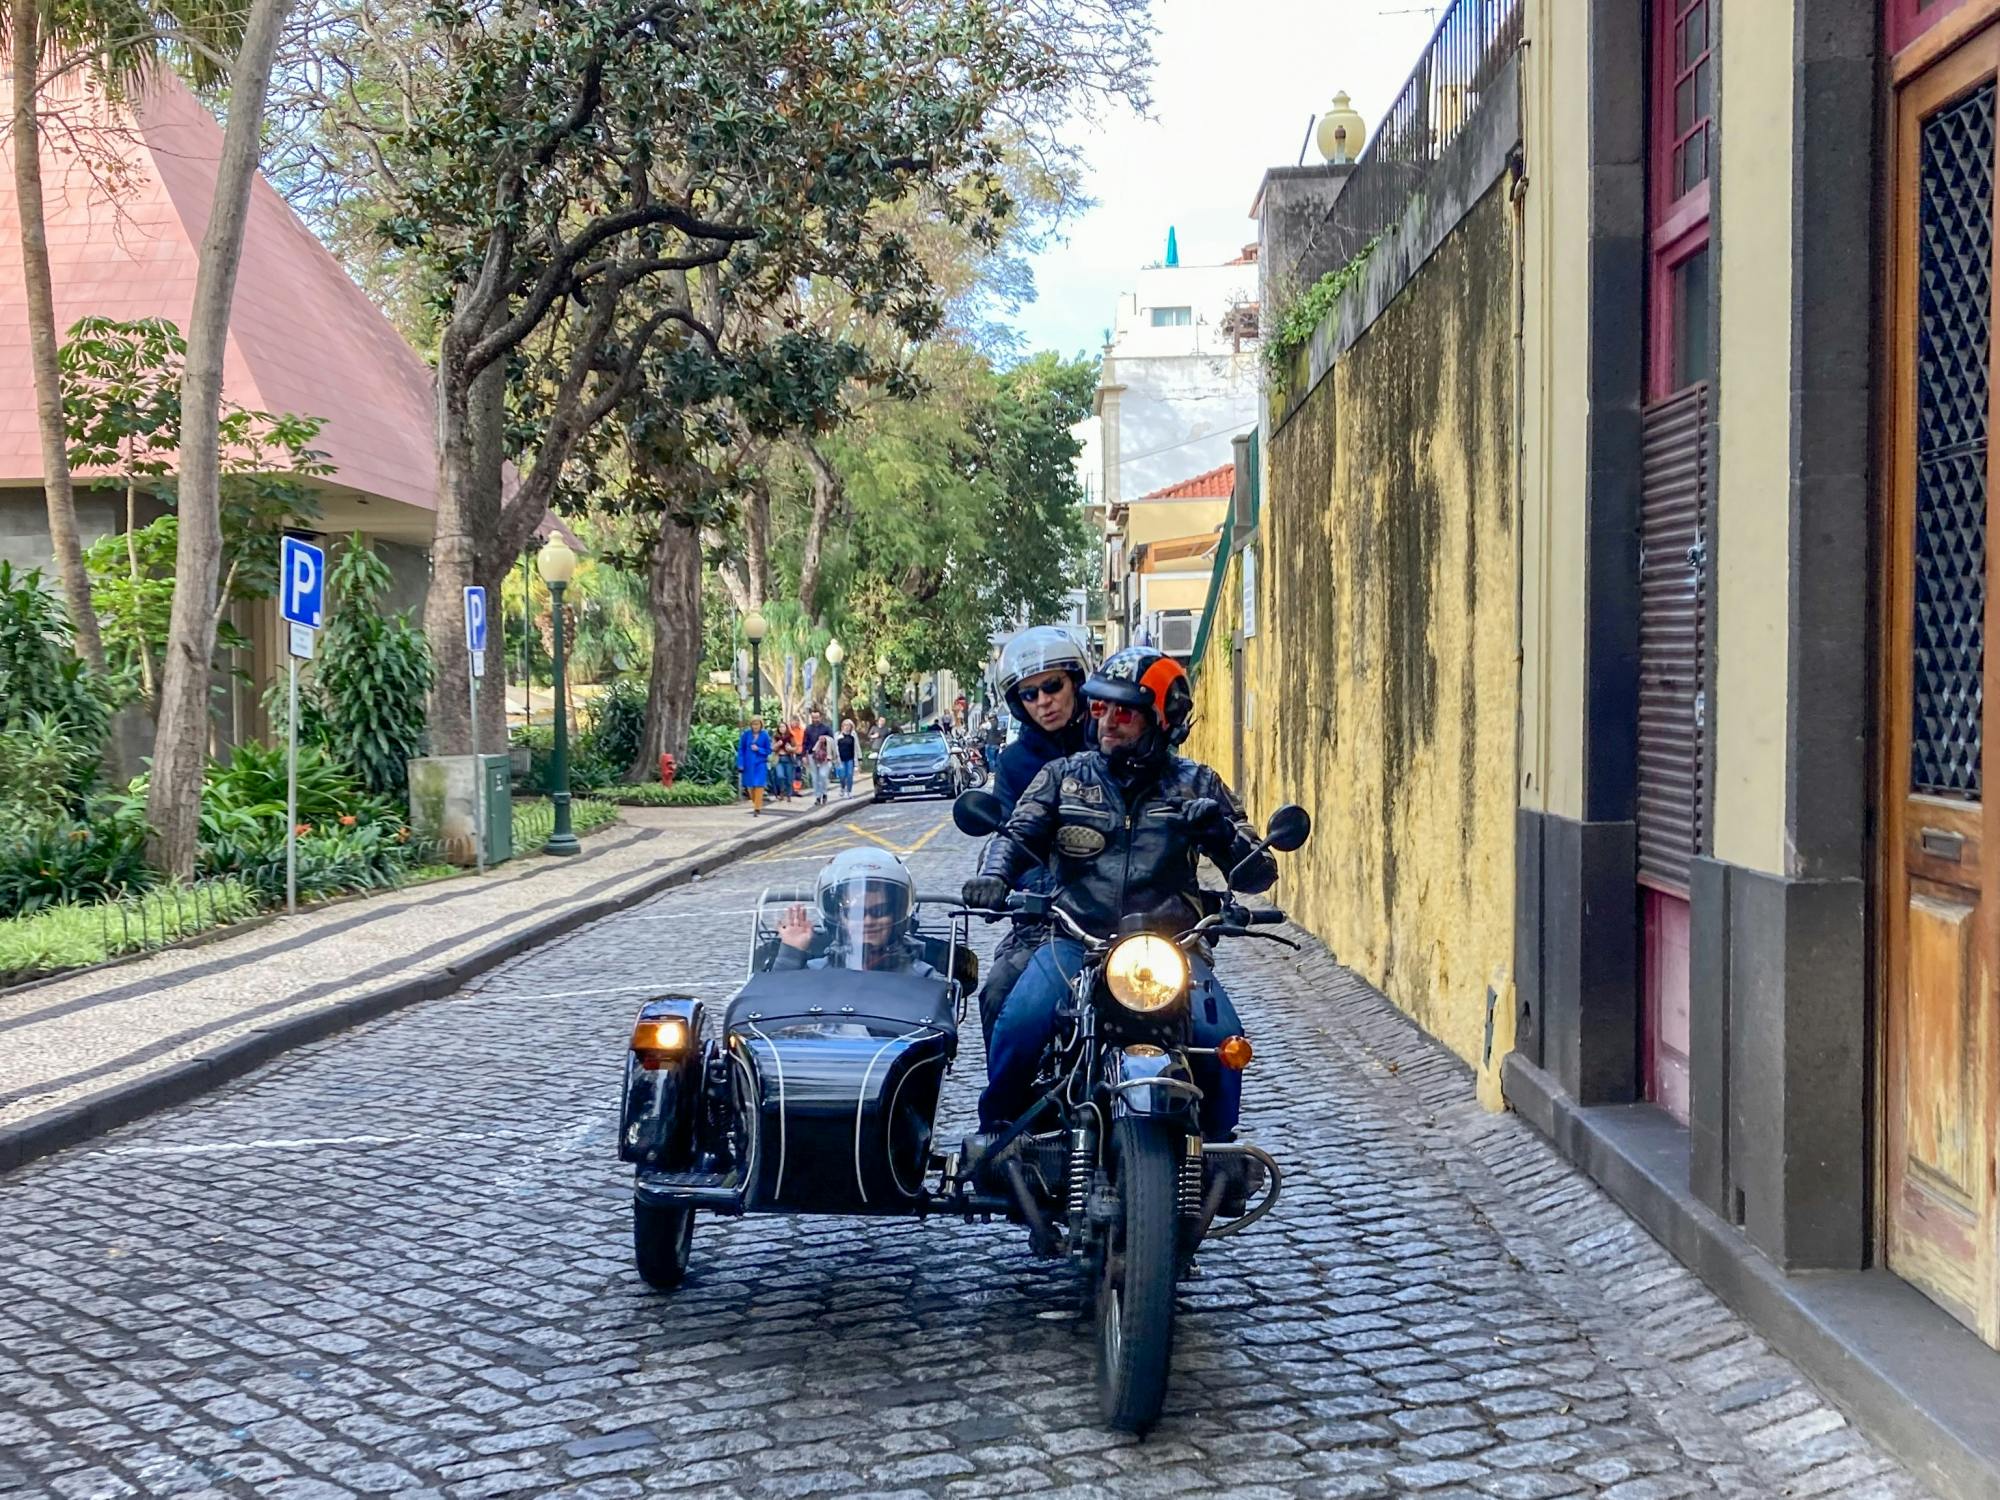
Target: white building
x,y
1180,380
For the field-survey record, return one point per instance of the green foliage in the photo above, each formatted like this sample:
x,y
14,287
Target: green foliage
x,y
718,706
711,755
73,936
54,711
44,767
371,676
64,859
617,726
680,794
535,820
121,396
1294,327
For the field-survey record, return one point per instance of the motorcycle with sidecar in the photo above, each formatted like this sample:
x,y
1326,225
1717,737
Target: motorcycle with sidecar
x,y
814,1090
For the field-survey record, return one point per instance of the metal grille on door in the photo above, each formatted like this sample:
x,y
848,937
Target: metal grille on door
x,y
1673,509
1954,298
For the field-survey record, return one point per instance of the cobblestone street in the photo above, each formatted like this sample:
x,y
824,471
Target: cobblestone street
x,y
398,1261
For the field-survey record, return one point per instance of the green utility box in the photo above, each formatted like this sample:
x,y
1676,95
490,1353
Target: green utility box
x,y
443,810
499,785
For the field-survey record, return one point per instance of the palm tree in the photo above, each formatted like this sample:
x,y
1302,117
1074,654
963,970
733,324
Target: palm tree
x,y
114,45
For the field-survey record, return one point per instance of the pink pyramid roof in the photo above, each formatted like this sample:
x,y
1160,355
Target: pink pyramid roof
x,y
303,338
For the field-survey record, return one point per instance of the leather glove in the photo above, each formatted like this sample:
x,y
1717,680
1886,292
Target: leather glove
x,y
1207,818
985,892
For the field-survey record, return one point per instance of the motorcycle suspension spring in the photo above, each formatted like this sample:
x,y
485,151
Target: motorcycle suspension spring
x,y
1082,1160
1191,1182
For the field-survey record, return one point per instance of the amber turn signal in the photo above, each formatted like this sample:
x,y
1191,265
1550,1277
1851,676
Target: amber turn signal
x,y
657,1042
1234,1053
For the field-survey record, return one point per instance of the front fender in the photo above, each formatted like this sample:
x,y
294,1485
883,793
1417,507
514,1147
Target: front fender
x,y
1149,1081
658,1104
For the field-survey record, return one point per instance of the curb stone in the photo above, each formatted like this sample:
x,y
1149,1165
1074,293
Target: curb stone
x,y
99,1113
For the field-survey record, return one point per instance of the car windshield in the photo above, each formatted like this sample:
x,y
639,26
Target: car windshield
x,y
914,744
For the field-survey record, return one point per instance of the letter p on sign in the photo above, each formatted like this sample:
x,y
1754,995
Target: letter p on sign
x,y
302,590
475,619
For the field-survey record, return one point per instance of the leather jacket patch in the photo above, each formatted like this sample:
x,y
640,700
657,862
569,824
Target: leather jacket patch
x,y
1079,841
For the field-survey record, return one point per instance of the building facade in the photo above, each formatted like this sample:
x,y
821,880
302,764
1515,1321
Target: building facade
x,y
1612,584
1180,379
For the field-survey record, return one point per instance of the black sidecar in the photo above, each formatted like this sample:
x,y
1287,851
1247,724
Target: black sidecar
x,y
817,1093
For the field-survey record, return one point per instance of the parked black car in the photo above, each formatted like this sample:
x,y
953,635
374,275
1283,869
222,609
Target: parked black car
x,y
923,764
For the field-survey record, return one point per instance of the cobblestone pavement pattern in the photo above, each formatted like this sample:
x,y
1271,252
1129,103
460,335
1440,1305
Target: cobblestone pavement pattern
x,y
398,1261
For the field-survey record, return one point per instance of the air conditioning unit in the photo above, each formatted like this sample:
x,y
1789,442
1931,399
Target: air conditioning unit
x,y
1174,630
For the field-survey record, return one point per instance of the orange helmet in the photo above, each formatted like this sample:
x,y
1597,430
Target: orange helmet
x,y
1140,677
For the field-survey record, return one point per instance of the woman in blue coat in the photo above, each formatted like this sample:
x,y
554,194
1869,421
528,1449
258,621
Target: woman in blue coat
x,y
753,763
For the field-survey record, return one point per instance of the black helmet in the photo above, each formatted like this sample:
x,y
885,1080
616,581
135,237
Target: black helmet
x,y
1142,678
1038,649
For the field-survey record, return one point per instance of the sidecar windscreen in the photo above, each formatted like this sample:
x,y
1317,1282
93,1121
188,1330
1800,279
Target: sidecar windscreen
x,y
864,925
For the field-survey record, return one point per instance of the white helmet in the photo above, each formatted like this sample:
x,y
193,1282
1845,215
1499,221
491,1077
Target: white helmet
x,y
860,885
1042,648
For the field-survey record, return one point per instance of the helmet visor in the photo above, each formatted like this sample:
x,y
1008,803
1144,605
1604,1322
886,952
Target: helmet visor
x,y
870,921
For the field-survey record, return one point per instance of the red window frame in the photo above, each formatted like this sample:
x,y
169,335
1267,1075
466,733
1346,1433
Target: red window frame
x,y
1906,20
1676,224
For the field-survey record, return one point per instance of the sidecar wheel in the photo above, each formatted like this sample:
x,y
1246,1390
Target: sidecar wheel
x,y
1135,1303
662,1241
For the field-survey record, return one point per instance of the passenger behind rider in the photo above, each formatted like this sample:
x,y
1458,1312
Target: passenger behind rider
x,y
1042,670
866,901
1121,827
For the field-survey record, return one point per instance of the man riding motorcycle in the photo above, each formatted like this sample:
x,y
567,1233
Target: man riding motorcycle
x,y
1120,828
1042,671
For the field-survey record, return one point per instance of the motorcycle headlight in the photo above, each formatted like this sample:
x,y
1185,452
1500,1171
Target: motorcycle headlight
x,y
1146,973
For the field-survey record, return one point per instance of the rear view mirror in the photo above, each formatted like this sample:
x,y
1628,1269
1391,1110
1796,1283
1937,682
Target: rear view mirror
x,y
1288,828
978,813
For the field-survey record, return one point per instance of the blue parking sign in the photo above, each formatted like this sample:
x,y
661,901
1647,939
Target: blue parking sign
x,y
302,590
475,619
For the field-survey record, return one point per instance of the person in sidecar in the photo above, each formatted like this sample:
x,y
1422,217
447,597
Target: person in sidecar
x,y
1120,828
1042,671
866,903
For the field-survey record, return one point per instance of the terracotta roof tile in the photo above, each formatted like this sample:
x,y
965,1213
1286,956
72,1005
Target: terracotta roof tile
x,y
303,337
1216,484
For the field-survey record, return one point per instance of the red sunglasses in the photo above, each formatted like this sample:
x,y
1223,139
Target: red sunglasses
x,y
1117,713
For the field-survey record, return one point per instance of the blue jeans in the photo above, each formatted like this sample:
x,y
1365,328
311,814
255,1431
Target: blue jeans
x,y
846,774
1028,1020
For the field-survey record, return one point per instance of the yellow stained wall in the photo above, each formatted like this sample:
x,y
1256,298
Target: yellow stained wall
x,y
1754,459
1381,690
1174,593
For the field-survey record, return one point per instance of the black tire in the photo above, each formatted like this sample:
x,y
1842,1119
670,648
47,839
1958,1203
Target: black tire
x,y
1135,1300
662,1242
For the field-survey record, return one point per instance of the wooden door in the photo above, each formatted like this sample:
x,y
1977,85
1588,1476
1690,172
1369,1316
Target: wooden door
x,y
1941,1082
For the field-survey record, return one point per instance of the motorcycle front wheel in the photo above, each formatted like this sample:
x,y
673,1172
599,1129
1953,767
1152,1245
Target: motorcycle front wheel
x,y
1135,1298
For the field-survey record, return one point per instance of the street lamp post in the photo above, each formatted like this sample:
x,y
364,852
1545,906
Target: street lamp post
x,y
835,655
754,627
558,565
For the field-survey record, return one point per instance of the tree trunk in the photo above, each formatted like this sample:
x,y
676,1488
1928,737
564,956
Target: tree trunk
x,y
757,543
64,537
173,804
675,592
826,494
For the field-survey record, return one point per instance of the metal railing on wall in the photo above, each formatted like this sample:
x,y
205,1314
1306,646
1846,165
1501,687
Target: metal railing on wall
x,y
1471,46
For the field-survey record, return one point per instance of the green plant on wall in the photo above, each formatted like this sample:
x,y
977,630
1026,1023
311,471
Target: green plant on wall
x,y
1295,325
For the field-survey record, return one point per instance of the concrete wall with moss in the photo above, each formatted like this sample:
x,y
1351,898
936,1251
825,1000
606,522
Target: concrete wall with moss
x,y
1381,688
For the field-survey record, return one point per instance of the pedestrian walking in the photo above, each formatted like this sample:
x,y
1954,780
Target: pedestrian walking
x,y
753,763
818,749
787,760
847,745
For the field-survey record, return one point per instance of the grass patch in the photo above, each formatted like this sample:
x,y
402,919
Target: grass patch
x,y
535,820
680,794
76,935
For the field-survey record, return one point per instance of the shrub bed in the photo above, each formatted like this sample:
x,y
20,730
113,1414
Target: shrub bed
x,y
73,935
680,794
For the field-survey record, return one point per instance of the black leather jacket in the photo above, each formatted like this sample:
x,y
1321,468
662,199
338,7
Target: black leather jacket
x,y
1116,853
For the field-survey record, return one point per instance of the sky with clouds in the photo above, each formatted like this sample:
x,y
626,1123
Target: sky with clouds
x,y
1237,85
